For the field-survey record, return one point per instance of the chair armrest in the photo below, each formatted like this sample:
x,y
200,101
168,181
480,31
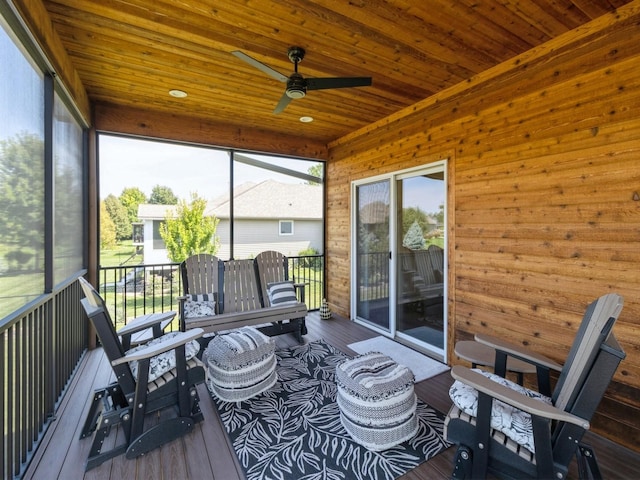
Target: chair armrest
x,y
153,350
511,397
145,321
518,351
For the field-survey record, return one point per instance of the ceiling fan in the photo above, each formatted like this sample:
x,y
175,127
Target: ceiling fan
x,y
297,85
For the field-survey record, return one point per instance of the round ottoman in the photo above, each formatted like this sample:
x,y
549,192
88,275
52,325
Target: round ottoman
x,y
376,400
240,364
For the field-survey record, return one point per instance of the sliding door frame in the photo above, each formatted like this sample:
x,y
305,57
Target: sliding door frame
x,y
392,178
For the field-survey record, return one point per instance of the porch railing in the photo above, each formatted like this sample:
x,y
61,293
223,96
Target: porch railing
x,y
373,276
130,291
40,346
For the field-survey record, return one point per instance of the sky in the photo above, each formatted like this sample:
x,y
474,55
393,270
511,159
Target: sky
x,y
126,162
418,191
185,169
425,193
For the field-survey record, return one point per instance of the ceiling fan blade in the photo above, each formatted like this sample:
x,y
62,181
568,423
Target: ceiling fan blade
x,y
282,104
260,66
341,82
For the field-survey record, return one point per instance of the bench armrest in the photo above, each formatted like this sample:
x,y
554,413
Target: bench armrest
x,y
300,288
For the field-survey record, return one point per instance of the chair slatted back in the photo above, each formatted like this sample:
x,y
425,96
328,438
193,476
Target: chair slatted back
x,y
200,274
436,255
406,260
596,326
97,312
424,267
271,266
241,292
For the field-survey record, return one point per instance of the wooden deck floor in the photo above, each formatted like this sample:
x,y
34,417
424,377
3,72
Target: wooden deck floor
x,y
206,453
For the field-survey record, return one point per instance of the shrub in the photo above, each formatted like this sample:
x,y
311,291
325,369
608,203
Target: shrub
x,y
314,262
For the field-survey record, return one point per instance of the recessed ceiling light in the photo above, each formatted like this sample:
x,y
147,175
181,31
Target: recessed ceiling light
x,y
177,93
306,119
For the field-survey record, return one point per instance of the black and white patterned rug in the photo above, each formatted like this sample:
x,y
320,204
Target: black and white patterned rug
x,y
293,431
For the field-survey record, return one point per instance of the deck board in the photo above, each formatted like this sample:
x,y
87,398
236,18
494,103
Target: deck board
x,y
206,452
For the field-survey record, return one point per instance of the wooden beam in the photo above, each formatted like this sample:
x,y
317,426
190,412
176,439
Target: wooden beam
x,y
145,123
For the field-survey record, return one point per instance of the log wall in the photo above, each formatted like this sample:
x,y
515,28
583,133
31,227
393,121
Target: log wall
x,y
544,196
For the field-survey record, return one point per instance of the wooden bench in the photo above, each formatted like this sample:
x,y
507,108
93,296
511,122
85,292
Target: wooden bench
x,y
240,298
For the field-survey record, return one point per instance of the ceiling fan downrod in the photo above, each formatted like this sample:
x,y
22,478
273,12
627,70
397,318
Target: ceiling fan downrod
x,y
296,85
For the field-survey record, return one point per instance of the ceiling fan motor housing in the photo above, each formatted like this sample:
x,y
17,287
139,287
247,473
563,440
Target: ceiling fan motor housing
x,y
296,86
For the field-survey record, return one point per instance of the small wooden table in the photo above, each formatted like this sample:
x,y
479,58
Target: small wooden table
x,y
480,354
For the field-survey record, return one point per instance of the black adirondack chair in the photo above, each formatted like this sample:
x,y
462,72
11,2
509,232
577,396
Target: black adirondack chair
x,y
496,439
147,381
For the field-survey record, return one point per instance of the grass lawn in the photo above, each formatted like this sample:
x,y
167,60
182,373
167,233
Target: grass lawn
x,y
18,285
124,253
13,288
438,241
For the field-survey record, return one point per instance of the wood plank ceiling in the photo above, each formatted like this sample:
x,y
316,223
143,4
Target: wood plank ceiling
x,y
130,53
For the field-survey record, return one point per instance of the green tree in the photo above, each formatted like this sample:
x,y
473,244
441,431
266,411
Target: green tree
x,y
162,195
22,193
365,239
411,215
414,238
107,228
68,208
439,215
316,170
130,198
119,217
190,231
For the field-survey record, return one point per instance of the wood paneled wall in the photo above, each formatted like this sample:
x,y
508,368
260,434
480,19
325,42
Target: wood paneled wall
x,y
544,196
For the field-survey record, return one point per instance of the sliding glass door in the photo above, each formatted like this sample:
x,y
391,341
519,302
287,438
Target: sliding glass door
x,y
399,261
420,269
371,253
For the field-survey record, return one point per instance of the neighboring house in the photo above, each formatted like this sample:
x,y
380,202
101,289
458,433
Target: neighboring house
x,y
268,216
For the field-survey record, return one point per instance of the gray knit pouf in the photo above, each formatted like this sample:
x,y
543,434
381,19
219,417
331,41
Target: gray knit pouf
x,y
240,364
376,400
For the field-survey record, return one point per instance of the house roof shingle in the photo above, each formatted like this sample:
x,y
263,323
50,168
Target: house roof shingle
x,y
290,201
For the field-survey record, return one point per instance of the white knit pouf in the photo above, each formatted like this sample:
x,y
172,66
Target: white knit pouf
x,y
240,364
376,400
